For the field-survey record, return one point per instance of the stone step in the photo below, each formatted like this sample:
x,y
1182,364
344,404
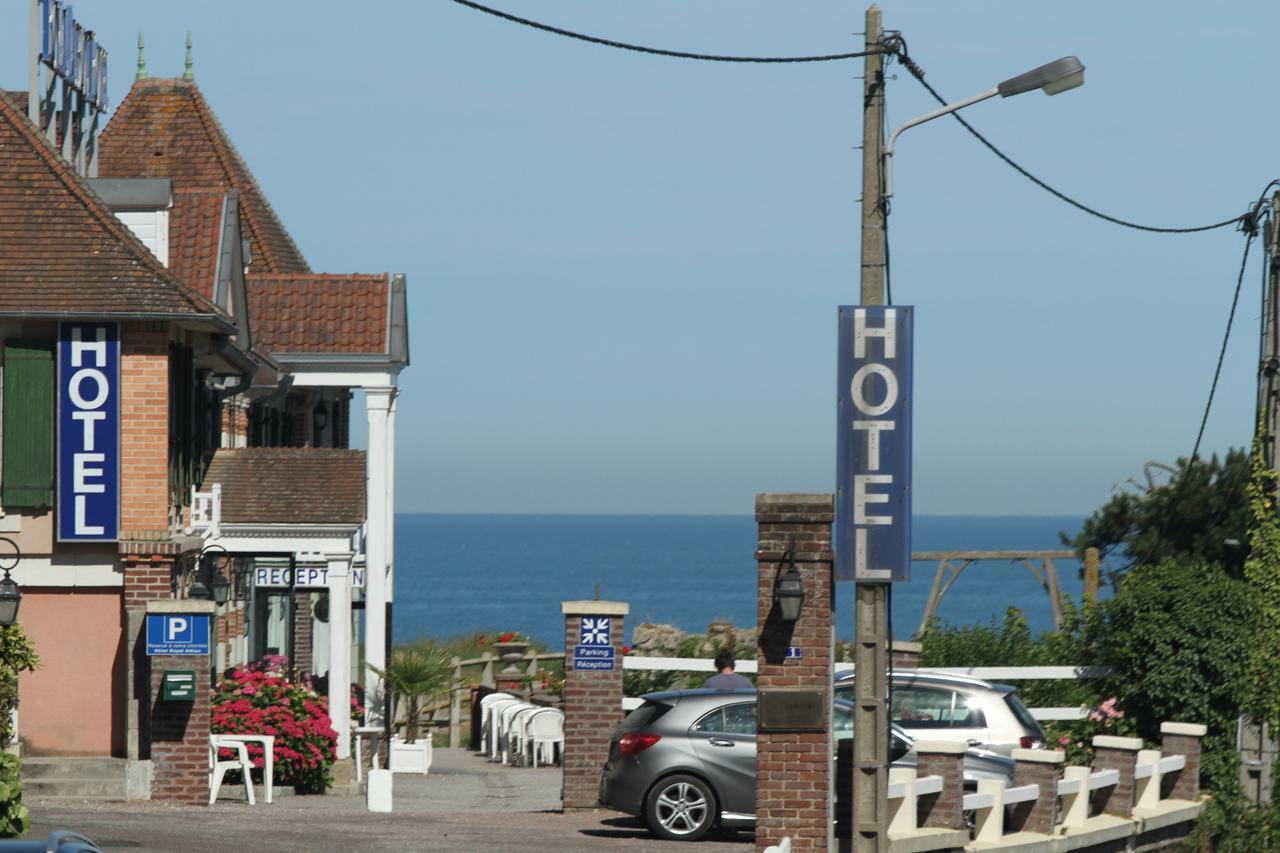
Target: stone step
x,y
74,789
88,768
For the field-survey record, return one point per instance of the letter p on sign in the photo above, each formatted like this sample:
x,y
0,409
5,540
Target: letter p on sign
x,y
178,630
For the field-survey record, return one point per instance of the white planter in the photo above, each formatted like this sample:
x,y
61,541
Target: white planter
x,y
410,757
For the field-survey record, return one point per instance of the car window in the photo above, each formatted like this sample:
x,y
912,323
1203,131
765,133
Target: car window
x,y
923,707
713,722
1020,711
842,722
968,712
740,719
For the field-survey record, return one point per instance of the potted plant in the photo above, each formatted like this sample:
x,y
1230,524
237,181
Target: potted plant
x,y
414,677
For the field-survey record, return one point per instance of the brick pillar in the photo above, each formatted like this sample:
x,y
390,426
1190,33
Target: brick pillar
x,y
946,759
1182,739
144,431
1037,767
148,570
180,730
592,701
794,768
302,660
1116,753
904,655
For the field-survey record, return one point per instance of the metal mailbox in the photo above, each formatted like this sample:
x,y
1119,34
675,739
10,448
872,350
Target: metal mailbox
x,y
178,685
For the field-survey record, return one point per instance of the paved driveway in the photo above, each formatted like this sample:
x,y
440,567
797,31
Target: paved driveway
x,y
465,803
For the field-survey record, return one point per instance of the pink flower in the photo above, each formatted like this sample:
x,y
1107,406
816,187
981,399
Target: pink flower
x,y
1064,740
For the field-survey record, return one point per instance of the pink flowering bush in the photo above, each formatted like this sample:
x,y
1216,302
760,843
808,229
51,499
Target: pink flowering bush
x,y
1075,737
258,698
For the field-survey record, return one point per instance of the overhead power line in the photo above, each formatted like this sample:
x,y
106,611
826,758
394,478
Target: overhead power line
x,y
898,49
678,54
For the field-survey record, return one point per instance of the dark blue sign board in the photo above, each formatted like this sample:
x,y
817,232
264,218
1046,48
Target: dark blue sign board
x,y
794,653
88,432
594,657
873,444
177,634
595,630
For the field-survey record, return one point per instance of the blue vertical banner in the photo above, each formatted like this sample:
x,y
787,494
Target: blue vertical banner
x,y
88,432
873,444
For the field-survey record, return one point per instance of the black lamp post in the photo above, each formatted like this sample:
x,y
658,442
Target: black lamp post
x,y
788,589
10,594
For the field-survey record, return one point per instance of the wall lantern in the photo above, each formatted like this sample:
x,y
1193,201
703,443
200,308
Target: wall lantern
x,y
788,589
10,594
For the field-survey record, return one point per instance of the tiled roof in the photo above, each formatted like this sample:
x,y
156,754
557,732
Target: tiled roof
x,y
195,236
61,250
289,485
320,313
165,129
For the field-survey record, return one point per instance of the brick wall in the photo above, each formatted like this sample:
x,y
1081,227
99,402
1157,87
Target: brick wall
x,y
1182,739
180,736
794,769
144,431
945,759
592,704
302,661
147,577
1116,753
1037,767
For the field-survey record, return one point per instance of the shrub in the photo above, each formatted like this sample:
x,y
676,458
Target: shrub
x,y
258,698
14,818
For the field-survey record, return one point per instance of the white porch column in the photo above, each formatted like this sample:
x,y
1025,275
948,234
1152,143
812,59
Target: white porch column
x,y
339,649
391,496
378,402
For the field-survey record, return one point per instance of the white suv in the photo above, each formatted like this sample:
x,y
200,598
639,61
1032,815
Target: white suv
x,y
957,707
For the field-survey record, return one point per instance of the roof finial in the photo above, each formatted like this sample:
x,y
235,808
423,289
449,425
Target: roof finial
x,y
142,60
187,73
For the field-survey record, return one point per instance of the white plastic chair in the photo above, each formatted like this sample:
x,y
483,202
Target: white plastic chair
x,y
487,706
218,768
546,729
518,732
505,716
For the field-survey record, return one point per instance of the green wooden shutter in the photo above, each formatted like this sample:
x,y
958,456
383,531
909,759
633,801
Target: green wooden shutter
x,y
27,475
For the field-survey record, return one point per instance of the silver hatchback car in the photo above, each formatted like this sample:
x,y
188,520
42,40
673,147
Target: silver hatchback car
x,y
685,761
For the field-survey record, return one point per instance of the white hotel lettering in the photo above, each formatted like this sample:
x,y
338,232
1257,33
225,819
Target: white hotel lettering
x,y
88,389
874,392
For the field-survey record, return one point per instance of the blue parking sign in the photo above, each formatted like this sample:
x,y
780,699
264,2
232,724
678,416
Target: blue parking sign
x,y
177,634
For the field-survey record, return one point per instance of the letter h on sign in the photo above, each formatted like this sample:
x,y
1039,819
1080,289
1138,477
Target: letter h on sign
x,y
873,444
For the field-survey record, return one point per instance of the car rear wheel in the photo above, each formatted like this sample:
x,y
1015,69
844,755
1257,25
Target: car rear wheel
x,y
680,808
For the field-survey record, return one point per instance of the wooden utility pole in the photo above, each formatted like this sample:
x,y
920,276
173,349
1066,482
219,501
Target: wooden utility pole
x,y
871,687
1269,386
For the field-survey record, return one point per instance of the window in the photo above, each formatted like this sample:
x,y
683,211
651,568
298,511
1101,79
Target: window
x,y
27,473
737,719
936,708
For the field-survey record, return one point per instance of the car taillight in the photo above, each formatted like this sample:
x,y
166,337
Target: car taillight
x,y
1031,743
633,743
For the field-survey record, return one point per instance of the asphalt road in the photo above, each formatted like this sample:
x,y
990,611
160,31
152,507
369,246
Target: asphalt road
x,y
464,804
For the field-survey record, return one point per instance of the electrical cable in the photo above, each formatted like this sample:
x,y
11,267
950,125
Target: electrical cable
x,y
896,43
678,54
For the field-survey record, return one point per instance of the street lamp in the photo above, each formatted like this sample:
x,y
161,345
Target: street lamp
x,y
788,590
10,594
1053,78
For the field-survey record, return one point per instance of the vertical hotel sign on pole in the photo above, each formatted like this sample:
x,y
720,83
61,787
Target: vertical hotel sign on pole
x,y
873,444
88,432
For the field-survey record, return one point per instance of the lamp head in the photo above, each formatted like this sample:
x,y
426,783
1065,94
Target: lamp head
x,y
788,593
1053,77
10,598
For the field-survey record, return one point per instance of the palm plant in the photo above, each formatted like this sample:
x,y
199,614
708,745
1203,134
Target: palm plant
x,y
415,677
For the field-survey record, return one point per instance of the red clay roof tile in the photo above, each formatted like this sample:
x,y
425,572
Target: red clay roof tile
x,y
61,249
165,129
289,485
320,313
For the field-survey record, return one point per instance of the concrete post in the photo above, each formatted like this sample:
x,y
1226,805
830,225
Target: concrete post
x,y
339,566
1183,739
946,759
794,769
1120,754
1037,767
592,697
377,401
180,730
391,495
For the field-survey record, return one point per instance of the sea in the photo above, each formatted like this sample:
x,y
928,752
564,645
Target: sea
x,y
460,574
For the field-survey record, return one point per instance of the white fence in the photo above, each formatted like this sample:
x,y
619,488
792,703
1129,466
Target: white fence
x,y
987,673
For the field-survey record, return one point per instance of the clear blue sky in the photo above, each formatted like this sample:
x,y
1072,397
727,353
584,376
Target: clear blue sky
x,y
624,269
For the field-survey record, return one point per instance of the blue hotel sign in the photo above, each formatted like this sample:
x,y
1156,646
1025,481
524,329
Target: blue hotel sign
x,y
873,444
88,432
72,52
